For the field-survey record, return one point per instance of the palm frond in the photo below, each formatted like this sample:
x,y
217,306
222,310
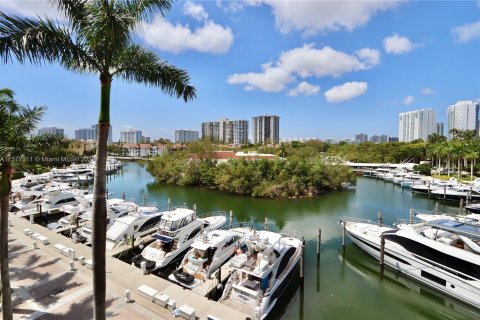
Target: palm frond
x,y
75,11
48,141
145,9
28,119
38,40
140,65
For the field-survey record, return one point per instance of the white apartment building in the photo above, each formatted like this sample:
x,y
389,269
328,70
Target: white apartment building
x,y
226,131
52,130
463,115
143,149
183,135
418,124
266,129
131,136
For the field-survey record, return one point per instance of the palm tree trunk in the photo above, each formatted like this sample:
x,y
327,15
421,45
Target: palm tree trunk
x,y
5,188
99,236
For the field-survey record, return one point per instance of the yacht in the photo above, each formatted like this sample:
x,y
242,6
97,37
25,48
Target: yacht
x,y
442,254
473,207
207,254
456,193
262,272
54,202
139,223
397,173
176,232
426,187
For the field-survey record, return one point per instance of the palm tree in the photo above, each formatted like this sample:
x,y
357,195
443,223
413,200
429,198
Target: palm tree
x,y
97,39
16,124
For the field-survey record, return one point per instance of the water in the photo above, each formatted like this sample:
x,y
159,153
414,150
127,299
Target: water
x,y
339,286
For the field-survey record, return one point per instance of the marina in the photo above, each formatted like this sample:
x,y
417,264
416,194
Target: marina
x,y
342,295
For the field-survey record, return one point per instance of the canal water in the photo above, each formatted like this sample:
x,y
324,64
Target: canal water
x,y
340,285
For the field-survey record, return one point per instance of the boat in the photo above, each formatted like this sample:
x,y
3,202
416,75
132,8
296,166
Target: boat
x,y
207,254
426,187
473,208
137,224
177,230
262,272
456,193
51,203
442,254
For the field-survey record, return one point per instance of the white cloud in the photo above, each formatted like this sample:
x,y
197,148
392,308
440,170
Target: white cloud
x,y
312,17
30,8
397,44
163,35
346,91
304,88
427,91
272,79
408,100
194,10
305,62
467,32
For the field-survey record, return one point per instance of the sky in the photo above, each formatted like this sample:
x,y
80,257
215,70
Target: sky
x,y
327,69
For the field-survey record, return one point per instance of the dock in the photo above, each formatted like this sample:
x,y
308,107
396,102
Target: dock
x,y
51,276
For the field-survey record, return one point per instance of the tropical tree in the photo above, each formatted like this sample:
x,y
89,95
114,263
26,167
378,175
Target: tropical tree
x,y
97,38
16,125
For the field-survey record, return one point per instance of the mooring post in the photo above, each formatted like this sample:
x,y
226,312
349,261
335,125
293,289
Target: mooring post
x,y
169,204
128,296
231,216
144,199
219,275
380,219
31,219
461,206
195,207
123,195
302,258
429,189
382,252
265,224
444,192
411,216
107,194
319,239
343,235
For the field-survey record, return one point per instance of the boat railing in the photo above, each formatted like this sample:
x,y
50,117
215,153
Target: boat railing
x,y
434,212
238,225
362,220
212,214
291,234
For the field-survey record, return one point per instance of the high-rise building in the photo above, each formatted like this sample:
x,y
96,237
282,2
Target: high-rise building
x,y
440,128
183,135
418,124
361,137
226,131
392,139
210,130
379,139
131,136
53,130
463,115
90,134
266,129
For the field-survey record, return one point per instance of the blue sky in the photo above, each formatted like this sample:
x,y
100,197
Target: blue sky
x,y
328,69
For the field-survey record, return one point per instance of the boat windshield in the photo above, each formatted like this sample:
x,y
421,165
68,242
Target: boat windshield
x,y
168,225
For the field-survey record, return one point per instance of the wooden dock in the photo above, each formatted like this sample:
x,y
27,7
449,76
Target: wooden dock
x,y
122,276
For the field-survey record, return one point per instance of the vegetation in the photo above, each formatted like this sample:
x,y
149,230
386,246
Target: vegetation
x,y
424,168
16,126
298,176
96,39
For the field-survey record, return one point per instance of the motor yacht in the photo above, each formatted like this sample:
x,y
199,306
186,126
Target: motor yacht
x,y
442,254
207,254
262,272
177,230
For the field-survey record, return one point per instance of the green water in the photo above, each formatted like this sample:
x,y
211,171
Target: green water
x,y
339,286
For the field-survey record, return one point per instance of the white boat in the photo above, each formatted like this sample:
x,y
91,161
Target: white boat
x,y
207,254
262,272
53,202
456,193
176,232
137,224
442,254
426,187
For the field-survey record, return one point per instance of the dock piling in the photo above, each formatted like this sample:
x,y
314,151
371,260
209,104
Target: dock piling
x,y
319,239
461,207
169,204
436,207
231,216
144,199
31,219
343,235
265,224
429,189
380,219
444,192
195,207
302,258
382,252
143,267
411,216
123,195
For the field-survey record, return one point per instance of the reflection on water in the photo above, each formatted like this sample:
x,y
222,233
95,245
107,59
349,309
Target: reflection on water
x,y
333,288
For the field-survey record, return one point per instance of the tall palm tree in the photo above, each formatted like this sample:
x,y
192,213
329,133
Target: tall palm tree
x,y
16,124
97,39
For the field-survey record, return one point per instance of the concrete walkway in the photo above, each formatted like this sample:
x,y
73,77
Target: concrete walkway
x,y
45,288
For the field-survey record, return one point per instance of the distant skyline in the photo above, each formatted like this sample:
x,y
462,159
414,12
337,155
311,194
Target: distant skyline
x,y
327,69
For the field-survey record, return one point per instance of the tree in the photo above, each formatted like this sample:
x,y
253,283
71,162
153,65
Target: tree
x,y
16,124
96,39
